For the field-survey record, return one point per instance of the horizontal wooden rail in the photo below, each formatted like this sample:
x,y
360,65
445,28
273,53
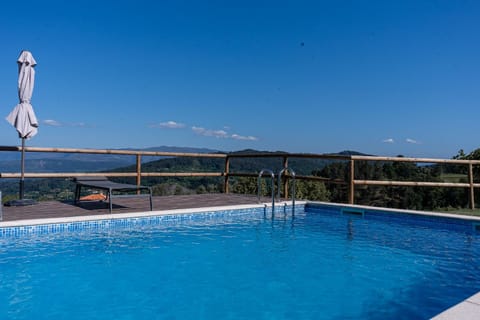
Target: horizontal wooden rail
x,y
418,160
118,152
316,178
243,174
111,174
8,175
414,184
182,174
288,155
299,177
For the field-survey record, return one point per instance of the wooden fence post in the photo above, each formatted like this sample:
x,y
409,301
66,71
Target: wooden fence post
x,y
351,192
139,169
285,178
227,172
472,189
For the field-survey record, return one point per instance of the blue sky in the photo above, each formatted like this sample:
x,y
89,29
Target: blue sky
x,y
380,77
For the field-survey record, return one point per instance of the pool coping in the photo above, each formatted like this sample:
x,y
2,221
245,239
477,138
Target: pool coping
x,y
109,216
464,310
414,212
144,214
467,309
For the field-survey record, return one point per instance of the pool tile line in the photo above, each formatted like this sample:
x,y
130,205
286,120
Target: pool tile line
x,y
338,206
450,221
109,221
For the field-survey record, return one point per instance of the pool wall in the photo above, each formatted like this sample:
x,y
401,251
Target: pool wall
x,y
454,222
131,220
125,220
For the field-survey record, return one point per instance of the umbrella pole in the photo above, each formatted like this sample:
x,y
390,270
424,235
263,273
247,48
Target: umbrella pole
x,y
21,201
22,172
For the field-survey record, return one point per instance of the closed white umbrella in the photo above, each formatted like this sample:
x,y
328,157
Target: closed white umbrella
x,y
22,116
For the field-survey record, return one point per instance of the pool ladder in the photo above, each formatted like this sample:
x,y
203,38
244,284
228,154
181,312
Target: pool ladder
x,y
259,185
284,171
292,174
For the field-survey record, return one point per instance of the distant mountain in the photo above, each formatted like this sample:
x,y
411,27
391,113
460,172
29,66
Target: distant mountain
x,y
178,149
74,162
341,153
71,162
301,166
352,153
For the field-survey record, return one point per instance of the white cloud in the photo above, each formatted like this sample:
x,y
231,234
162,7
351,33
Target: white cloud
x,y
238,137
201,131
168,125
52,123
210,133
408,140
55,123
389,140
221,134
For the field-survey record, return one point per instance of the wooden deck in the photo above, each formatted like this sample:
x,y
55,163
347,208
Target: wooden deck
x,y
58,209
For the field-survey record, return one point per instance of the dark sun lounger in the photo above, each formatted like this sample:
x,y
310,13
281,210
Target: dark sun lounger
x,y
102,183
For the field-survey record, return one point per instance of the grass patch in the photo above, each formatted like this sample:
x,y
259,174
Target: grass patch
x,y
454,177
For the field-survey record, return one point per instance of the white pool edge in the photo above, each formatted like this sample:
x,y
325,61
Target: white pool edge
x,y
467,309
114,216
415,212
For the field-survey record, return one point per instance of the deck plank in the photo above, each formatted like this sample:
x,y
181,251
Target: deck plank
x,y
58,209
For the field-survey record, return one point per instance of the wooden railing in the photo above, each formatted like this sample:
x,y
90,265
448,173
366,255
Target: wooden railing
x,y
226,173
471,185
138,155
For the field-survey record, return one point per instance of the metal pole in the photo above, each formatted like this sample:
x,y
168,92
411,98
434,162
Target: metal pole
x,y
22,201
22,172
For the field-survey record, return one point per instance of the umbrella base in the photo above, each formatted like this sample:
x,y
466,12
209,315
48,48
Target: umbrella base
x,y
20,203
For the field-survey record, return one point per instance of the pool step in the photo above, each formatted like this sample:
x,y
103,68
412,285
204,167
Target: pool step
x,y
353,212
476,226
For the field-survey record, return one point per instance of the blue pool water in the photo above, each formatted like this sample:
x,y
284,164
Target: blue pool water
x,y
319,264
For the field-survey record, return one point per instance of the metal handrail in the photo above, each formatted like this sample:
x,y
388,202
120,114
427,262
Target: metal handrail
x,y
259,185
292,173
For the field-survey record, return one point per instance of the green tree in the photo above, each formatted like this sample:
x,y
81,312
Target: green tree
x,y
312,190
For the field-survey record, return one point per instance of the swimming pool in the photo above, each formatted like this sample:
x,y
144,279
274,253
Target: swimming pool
x,y
324,262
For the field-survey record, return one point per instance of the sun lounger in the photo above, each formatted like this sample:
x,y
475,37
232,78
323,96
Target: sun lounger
x,y
102,183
